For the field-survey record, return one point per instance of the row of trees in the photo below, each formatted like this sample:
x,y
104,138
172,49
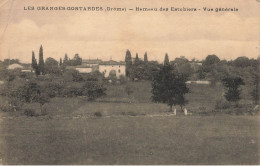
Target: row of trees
x,y
38,68
139,69
168,84
50,65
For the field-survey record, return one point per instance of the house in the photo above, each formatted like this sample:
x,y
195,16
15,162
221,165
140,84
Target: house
x,y
91,62
198,82
112,68
27,68
15,66
83,69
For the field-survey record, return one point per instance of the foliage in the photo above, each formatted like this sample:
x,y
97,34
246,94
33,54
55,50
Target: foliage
x,y
122,79
143,70
52,66
169,87
93,89
128,61
128,90
136,58
232,85
65,60
242,62
145,57
183,66
210,60
112,76
11,61
98,114
30,112
41,61
166,60
34,64
77,60
255,93
222,104
10,104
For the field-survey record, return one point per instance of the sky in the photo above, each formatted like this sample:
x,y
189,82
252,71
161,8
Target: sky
x,y
107,35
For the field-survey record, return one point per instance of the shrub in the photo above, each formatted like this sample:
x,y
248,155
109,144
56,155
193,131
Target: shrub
x,y
98,114
222,104
30,112
122,79
93,89
10,104
53,89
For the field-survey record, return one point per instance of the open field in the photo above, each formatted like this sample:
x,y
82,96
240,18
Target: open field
x,y
129,132
131,140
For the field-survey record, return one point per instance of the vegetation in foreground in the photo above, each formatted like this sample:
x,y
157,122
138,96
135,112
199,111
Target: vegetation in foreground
x,y
139,140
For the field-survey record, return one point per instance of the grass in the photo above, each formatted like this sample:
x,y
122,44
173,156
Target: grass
x,y
122,135
131,140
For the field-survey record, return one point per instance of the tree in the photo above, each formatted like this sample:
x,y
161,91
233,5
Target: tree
x,y
183,66
210,60
169,87
77,60
136,58
11,61
41,61
255,93
128,61
145,57
94,89
51,66
34,64
65,60
242,62
166,60
60,62
232,85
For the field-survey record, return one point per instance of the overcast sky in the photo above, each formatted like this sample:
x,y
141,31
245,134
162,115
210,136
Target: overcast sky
x,y
106,35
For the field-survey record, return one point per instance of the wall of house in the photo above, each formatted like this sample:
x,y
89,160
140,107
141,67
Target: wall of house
x,y
84,70
119,69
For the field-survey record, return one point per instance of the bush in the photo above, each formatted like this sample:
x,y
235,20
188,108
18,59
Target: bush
x,y
30,112
98,114
93,89
53,89
10,104
122,79
222,104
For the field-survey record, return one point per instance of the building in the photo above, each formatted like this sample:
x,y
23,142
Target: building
x,y
112,68
91,62
15,66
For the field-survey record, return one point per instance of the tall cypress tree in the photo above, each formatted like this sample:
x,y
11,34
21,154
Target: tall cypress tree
x,y
60,62
166,60
41,61
65,59
145,57
128,61
34,62
136,58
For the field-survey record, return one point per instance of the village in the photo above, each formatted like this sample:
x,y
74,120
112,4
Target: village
x,y
123,82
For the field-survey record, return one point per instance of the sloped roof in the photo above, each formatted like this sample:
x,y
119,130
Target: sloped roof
x,y
91,61
111,62
14,66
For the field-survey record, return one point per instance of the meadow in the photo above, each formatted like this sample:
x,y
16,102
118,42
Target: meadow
x,y
130,129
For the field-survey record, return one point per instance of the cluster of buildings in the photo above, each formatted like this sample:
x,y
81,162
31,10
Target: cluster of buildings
x,y
107,68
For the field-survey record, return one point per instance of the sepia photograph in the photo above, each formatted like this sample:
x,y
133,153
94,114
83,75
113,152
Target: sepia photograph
x,y
129,82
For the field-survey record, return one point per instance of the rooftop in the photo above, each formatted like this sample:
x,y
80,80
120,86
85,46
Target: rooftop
x,y
111,62
91,61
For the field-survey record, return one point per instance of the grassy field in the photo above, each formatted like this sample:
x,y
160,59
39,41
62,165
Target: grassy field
x,y
131,140
128,132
